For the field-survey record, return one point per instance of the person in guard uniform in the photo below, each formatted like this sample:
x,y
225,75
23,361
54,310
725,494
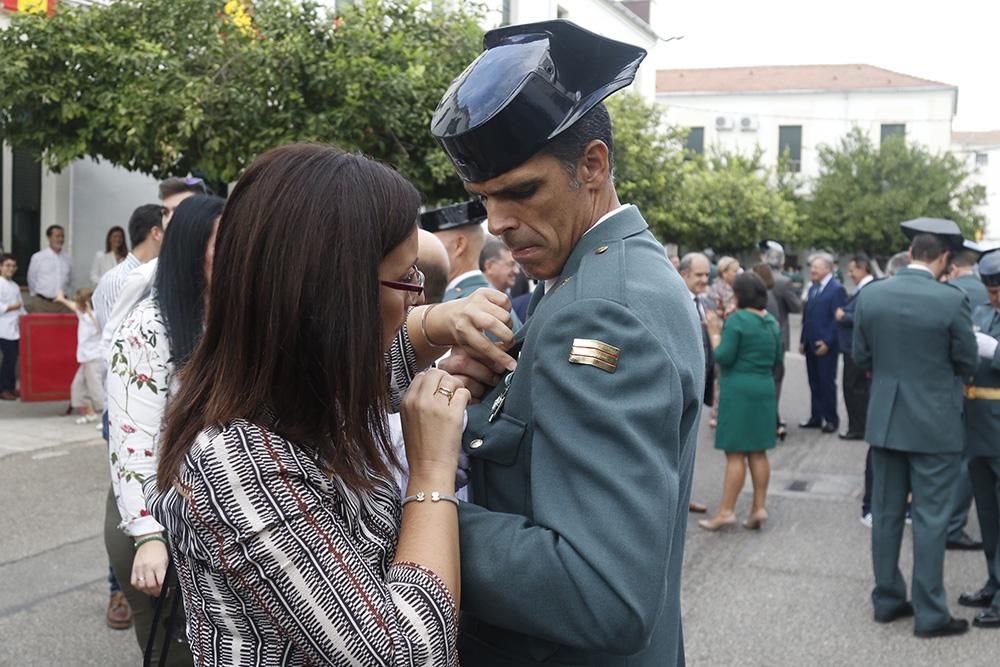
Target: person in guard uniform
x,y
460,228
581,458
915,334
982,438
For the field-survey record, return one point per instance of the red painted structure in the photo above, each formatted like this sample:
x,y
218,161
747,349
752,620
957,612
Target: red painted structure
x,y
48,356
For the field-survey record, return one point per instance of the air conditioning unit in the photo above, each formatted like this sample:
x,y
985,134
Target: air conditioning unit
x,y
724,123
748,123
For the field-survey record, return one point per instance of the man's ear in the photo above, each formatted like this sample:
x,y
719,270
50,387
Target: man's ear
x,y
593,169
461,244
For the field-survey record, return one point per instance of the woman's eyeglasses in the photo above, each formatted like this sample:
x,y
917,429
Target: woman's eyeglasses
x,y
414,282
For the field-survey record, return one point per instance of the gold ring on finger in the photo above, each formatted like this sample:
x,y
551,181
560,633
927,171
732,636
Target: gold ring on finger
x,y
447,393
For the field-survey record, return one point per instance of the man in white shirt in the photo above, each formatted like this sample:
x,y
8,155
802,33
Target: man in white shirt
x,y
49,273
145,230
11,310
498,265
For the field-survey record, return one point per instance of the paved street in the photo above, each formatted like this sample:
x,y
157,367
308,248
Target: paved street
x,y
796,593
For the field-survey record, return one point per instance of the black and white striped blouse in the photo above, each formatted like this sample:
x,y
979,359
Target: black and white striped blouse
x,y
280,564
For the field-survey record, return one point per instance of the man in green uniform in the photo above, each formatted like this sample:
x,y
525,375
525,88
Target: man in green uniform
x,y
982,438
915,334
963,275
460,228
581,458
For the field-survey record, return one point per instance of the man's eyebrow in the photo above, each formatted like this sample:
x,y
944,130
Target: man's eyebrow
x,y
513,189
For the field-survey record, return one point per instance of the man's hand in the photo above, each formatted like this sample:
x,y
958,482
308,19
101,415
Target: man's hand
x,y
838,314
474,375
821,349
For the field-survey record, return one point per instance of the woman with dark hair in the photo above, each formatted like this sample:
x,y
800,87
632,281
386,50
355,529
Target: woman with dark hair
x,y
748,352
149,348
115,250
275,472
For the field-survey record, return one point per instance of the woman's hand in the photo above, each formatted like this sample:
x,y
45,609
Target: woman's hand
x,y
432,413
464,321
714,323
149,567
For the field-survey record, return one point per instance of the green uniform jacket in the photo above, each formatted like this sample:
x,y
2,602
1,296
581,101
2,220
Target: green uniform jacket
x,y
915,334
973,286
982,417
470,285
571,554
466,287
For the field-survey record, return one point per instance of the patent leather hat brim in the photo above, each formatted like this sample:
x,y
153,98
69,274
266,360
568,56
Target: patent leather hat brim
x,y
451,217
531,83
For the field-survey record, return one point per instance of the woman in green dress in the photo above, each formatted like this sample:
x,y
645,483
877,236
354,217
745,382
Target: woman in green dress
x,y
748,351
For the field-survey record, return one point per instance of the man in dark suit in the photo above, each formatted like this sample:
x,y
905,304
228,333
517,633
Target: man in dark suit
x,y
916,335
855,380
819,342
788,300
695,268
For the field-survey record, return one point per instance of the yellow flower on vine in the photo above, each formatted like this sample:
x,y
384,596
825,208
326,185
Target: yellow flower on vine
x,y
239,13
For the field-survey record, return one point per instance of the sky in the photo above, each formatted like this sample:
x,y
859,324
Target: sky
x,y
953,41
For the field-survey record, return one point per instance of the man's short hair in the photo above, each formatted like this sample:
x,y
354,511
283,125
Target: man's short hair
x,y
965,259
568,146
492,249
175,185
750,291
142,222
897,262
7,256
825,257
927,247
435,280
688,259
53,228
862,261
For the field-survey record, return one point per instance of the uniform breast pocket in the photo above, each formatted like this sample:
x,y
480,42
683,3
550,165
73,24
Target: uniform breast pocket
x,y
498,442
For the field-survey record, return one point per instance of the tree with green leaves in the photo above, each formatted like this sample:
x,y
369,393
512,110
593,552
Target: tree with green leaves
x,y
729,203
863,192
649,161
176,86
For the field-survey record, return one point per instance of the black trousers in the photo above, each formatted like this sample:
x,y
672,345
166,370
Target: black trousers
x,y
856,388
9,350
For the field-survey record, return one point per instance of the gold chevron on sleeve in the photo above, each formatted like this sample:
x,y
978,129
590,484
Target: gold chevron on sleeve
x,y
598,354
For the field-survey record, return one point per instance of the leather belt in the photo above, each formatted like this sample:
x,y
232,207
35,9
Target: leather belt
x,y
982,393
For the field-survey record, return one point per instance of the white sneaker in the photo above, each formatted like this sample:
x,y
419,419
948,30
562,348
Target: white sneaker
x,y
867,520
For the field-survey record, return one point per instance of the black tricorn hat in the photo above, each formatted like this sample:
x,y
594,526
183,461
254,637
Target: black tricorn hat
x,y
989,268
768,244
532,82
947,230
450,217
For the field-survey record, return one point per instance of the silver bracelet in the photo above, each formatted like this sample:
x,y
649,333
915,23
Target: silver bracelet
x,y
435,497
423,326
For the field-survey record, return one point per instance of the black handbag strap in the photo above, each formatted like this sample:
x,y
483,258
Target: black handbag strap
x,y
170,583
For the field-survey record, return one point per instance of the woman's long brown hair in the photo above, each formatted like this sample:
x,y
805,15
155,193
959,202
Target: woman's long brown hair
x,y
294,310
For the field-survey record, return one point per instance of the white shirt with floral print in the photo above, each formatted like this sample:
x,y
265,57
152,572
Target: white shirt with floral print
x,y
140,379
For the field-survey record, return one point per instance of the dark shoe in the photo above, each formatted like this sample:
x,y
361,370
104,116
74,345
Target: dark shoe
x,y
980,598
782,433
852,435
988,618
697,508
829,428
903,612
7,396
956,626
963,543
119,615
809,423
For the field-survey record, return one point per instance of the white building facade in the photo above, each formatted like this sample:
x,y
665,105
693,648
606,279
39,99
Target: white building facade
x,y
800,108
981,153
